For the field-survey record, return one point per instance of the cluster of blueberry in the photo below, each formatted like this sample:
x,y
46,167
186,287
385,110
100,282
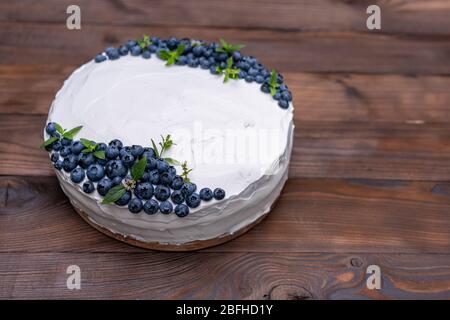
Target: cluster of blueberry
x,y
209,56
159,187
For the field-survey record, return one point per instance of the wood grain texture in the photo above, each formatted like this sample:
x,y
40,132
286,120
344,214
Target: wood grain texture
x,y
30,89
289,51
330,149
312,215
414,17
223,276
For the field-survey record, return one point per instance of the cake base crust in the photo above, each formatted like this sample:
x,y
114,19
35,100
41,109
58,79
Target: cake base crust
x,y
189,246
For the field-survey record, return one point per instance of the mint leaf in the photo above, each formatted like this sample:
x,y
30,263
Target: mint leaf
x,y
172,162
155,148
59,129
99,154
85,142
229,48
186,171
144,42
114,194
273,84
48,142
171,56
137,170
71,133
229,71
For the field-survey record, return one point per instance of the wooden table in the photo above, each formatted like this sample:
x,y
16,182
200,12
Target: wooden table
x,y
369,177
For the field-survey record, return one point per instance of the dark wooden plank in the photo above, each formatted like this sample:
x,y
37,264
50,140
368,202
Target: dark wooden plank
x,y
39,43
312,215
379,150
325,97
311,15
224,276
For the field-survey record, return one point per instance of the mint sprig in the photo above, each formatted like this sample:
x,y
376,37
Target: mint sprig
x,y
171,56
144,42
114,194
273,84
91,147
186,171
136,171
165,145
68,134
229,71
228,47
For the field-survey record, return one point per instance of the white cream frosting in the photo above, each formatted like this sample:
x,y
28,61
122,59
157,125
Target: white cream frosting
x,y
134,100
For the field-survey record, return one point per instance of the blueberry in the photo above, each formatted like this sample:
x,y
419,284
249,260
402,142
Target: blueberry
x,y
198,51
172,171
123,50
100,58
151,206
56,146
86,159
283,87
222,56
146,54
115,168
116,143
70,162
193,200
286,95
181,210
242,74
283,104
101,147
145,177
162,193
50,128
237,56
265,88
54,157
172,43
206,194
125,150
162,165
177,183
207,53
188,188
144,190
77,147
58,165
205,64
88,187
149,153
252,71
165,178
193,63
113,54
135,205
104,185
219,194
249,78
95,172
66,142
165,207
77,175
213,70
136,50
152,48
182,60
154,40
125,199
277,95
128,160
137,151
117,180
259,79
112,152
130,44
153,177
177,197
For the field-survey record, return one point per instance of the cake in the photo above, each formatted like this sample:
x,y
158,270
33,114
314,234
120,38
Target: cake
x,y
173,144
